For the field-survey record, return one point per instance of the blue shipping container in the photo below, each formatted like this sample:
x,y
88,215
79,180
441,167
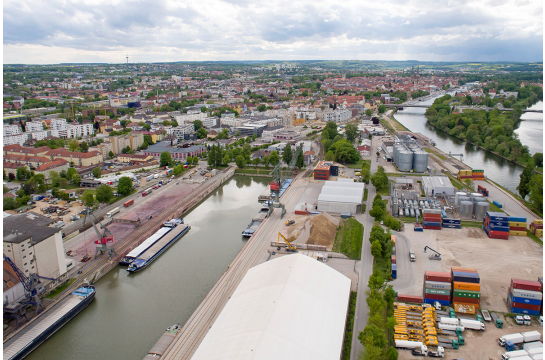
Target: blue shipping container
x,y
499,223
432,223
394,275
497,215
394,267
486,230
524,311
451,221
499,228
452,226
526,301
517,219
431,301
497,204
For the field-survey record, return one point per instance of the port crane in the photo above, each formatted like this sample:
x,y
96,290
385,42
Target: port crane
x,y
32,285
103,239
436,256
276,184
290,247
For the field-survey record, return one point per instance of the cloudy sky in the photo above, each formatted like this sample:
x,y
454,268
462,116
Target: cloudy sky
x,y
56,31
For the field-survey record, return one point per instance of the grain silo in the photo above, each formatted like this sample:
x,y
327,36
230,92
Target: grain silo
x,y
466,210
480,209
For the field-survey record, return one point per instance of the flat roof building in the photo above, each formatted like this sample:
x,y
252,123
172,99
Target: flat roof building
x,y
341,197
437,186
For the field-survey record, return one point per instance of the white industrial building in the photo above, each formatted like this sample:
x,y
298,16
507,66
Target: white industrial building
x,y
342,196
292,307
437,186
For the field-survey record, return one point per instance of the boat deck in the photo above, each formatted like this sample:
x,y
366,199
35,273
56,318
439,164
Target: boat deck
x,y
146,244
155,248
26,336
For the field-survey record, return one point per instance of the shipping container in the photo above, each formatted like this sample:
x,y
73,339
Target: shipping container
x,y
462,269
494,227
526,285
451,221
436,292
437,285
410,298
466,286
442,302
128,203
495,215
520,300
466,277
521,306
464,300
452,226
524,311
393,259
437,297
517,219
467,294
517,233
499,237
430,223
527,294
538,222
517,223
432,227
437,276
463,307
517,228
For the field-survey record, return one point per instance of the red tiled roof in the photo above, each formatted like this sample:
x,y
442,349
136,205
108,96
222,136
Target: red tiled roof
x,y
51,165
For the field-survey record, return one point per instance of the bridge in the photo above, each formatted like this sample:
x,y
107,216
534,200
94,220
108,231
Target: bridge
x,y
401,106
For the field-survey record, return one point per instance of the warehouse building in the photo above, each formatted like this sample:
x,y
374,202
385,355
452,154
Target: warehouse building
x,y
292,307
341,197
437,186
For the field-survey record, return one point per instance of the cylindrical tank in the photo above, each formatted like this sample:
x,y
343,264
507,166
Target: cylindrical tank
x,y
463,198
407,212
421,203
405,202
394,207
417,212
476,197
457,198
466,209
477,201
480,209
405,159
400,212
411,211
420,161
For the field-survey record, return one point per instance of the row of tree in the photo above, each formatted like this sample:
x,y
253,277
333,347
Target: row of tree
x,y
336,147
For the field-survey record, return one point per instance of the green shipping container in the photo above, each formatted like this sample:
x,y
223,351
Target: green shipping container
x,y
437,291
467,294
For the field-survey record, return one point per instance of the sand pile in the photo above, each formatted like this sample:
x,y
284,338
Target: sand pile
x,y
323,230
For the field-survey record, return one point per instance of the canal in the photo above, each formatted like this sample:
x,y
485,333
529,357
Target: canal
x,y
502,171
131,312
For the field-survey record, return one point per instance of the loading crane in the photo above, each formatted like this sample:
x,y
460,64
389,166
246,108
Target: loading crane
x,y
32,285
290,248
436,256
276,184
103,239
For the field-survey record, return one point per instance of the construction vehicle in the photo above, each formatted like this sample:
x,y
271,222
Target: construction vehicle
x,y
412,256
103,239
415,307
290,222
32,285
431,341
436,256
417,225
290,247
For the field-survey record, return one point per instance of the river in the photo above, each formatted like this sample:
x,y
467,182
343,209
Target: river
x,y
502,171
131,311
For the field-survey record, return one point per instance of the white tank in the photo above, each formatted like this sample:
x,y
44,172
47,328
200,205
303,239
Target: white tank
x,y
405,160
466,209
481,208
420,161
475,196
457,198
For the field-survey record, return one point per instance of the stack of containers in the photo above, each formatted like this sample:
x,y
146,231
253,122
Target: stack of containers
x,y
496,225
466,289
477,174
536,227
452,223
431,219
465,174
525,297
437,286
540,280
394,264
517,226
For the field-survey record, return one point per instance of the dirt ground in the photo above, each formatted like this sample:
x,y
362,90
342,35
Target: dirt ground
x,y
312,229
482,345
88,247
74,210
497,261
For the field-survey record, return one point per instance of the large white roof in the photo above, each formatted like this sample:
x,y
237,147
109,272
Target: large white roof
x,y
340,198
292,307
344,184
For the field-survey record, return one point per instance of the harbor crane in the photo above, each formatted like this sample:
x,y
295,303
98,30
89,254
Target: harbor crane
x,y
103,239
32,285
436,256
290,247
276,185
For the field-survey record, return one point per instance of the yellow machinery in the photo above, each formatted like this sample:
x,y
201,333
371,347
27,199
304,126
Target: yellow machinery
x,y
416,331
431,341
400,337
415,307
290,247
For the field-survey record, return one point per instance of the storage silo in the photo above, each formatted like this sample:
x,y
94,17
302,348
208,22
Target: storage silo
x,y
420,161
463,198
476,196
481,208
405,159
477,201
466,210
457,198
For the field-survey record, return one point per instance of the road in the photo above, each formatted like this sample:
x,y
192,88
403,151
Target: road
x,y
511,205
365,266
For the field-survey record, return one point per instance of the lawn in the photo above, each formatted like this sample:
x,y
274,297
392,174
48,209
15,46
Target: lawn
x,y
58,290
349,238
365,194
347,343
434,153
398,125
358,165
476,224
535,238
383,192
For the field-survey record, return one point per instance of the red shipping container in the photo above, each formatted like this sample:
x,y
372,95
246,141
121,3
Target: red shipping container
x,y
438,276
393,259
432,227
458,300
500,237
410,298
525,306
526,285
437,297
537,226
462,269
433,216
517,228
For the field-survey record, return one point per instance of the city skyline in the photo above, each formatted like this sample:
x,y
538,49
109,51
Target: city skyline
x,y
167,31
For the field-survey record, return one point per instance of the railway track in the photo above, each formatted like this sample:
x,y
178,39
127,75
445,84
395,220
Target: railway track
x,y
252,253
99,267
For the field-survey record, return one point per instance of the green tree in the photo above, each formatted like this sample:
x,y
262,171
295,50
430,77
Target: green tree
x,y
55,178
536,191
239,160
365,175
202,133
147,127
392,353
368,112
377,213
287,155
124,186
70,173
165,159
84,146
375,333
5,189
226,160
10,203
5,176
265,161
300,161
104,193
329,156
376,249
331,128
325,135
111,154
76,179
97,172
380,179
351,132
525,178
256,161
21,173
87,198
381,109
538,159
274,158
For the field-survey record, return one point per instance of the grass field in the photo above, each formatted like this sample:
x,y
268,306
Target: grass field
x,y
435,153
348,240
58,290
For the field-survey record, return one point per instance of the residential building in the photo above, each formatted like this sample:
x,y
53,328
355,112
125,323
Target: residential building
x,y
76,131
249,129
77,158
287,135
11,168
183,132
32,126
177,153
134,158
10,130
209,122
18,149
29,160
56,165
338,116
19,139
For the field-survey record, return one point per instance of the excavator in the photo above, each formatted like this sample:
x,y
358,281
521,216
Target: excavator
x,y
436,256
290,247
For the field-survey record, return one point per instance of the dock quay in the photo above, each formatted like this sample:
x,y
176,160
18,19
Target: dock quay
x,y
254,252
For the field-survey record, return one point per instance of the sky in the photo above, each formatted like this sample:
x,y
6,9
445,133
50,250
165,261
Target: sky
x,y
62,31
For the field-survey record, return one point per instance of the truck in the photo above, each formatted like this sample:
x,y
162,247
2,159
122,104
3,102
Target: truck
x,y
112,212
527,320
497,321
450,327
531,336
514,354
535,351
486,315
472,324
534,344
447,320
128,203
156,176
149,178
516,338
412,256
403,344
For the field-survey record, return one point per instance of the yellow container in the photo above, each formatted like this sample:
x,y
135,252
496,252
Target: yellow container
x,y
538,222
517,224
517,233
539,232
465,308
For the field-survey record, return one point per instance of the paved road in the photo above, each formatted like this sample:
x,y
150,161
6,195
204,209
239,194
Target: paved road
x,y
511,205
365,266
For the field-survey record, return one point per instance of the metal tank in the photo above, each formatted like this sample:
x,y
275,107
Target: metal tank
x,y
420,161
417,212
466,210
400,212
405,160
463,198
411,212
407,212
395,207
457,198
480,209
476,197
477,201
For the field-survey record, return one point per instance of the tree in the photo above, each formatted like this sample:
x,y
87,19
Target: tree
x,y
375,333
22,173
389,295
10,203
287,155
70,173
76,179
97,172
104,193
351,132
177,170
265,160
4,174
536,191
392,353
365,175
147,127
87,198
124,186
84,146
538,159
381,109
300,161
377,213
5,189
256,161
380,179
331,128
239,160
274,158
376,249
111,154
201,133
226,160
329,156
165,159
325,135
525,178
368,112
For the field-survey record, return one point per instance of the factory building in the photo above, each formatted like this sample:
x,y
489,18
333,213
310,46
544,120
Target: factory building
x,y
341,197
409,156
437,186
325,169
292,307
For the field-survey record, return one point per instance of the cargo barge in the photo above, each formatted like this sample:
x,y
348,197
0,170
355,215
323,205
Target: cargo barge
x,y
158,248
40,330
258,219
163,343
146,244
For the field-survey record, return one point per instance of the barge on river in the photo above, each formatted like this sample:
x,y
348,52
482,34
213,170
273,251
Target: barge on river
x,y
46,325
258,219
158,248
